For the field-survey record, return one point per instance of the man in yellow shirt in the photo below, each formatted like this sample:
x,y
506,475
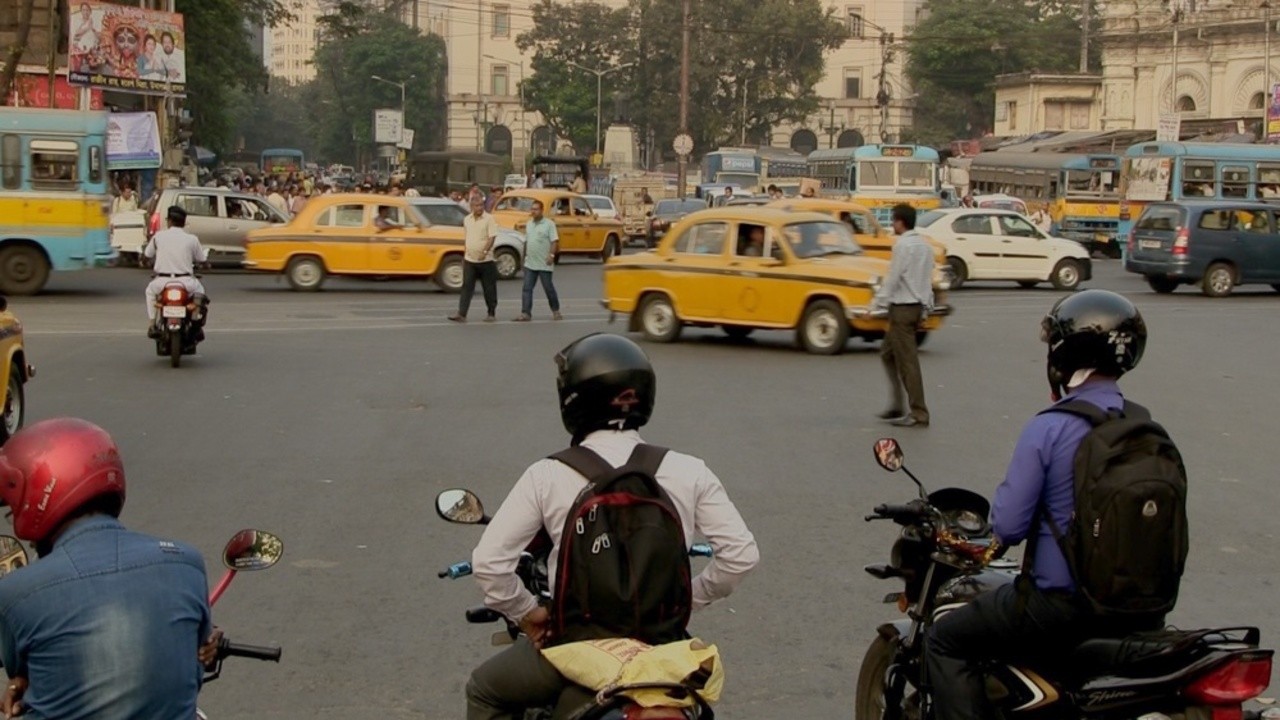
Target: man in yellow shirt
x,y
481,232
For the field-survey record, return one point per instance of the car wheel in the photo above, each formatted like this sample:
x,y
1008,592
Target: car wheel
x,y
823,329
610,248
1028,284
449,275
15,404
508,262
305,274
23,270
1162,285
737,332
658,319
959,272
1066,275
1218,281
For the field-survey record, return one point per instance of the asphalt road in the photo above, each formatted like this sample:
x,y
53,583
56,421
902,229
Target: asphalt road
x,y
334,418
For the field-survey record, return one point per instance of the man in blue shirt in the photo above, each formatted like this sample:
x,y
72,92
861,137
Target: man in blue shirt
x,y
108,624
1094,337
541,243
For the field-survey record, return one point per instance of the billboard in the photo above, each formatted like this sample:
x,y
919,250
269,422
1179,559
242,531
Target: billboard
x,y
32,90
386,126
129,49
133,141
1273,115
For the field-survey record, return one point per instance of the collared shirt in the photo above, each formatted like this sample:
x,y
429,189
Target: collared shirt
x,y
176,252
107,626
545,494
910,278
480,231
1041,473
539,236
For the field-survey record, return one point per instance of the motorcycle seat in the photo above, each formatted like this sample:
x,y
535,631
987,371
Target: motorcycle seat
x,y
1140,655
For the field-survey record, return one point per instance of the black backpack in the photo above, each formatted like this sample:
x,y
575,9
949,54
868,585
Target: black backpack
x,y
1126,543
624,563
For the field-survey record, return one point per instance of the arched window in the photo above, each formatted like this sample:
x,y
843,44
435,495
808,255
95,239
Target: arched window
x,y
1258,101
804,141
498,140
544,142
850,138
1186,104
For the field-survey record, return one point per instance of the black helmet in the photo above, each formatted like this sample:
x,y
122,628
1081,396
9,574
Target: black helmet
x,y
605,381
1093,329
177,216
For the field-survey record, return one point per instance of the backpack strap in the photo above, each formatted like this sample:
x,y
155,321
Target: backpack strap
x,y
586,462
646,459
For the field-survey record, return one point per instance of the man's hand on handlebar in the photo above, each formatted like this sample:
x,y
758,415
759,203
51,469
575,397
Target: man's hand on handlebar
x,y
536,625
208,652
12,702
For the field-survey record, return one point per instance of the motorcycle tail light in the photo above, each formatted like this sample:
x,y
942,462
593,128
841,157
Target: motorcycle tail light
x,y
1243,678
173,295
903,603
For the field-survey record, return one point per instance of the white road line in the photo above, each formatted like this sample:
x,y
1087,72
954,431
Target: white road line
x,y
120,332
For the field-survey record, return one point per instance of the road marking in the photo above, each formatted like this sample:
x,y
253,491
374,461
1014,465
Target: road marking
x,y
212,330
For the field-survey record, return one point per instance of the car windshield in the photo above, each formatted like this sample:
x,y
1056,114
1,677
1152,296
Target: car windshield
x,y
600,203
449,213
674,207
928,218
815,239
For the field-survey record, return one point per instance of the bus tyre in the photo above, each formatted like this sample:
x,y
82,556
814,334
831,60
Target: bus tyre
x,y
959,272
23,270
1218,281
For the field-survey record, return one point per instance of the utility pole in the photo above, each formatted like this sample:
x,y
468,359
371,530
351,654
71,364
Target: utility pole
x,y
1173,83
1084,35
682,167
1266,70
882,94
743,140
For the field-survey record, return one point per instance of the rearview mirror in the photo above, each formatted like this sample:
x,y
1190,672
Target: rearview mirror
x,y
252,550
12,555
889,454
460,506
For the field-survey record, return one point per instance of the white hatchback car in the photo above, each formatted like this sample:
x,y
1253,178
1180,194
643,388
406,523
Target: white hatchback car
x,y
602,206
989,244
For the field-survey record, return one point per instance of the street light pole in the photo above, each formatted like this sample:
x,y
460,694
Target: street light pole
x,y
400,85
599,90
682,160
1266,69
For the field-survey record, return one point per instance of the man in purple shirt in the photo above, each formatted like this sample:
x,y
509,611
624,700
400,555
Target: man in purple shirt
x,y
1094,337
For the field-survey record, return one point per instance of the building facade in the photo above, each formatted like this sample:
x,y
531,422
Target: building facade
x,y
1029,103
1218,50
289,48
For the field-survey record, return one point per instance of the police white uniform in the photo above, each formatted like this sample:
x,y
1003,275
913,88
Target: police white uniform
x,y
176,254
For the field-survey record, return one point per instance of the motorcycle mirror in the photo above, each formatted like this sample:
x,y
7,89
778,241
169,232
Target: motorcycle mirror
x,y
252,550
12,555
889,454
460,506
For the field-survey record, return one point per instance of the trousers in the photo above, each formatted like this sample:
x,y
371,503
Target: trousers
x,y
531,278
519,678
487,273
193,285
899,354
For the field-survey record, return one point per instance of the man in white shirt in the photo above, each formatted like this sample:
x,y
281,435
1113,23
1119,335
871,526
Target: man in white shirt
x,y
606,386
173,62
481,232
907,293
126,201
176,253
277,201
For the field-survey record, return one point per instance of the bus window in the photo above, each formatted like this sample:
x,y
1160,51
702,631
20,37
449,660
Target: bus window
x,y
1235,182
95,164
54,164
915,174
876,174
11,162
1268,181
1197,180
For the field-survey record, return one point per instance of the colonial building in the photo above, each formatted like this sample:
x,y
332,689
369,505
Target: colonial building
x,y
1219,53
289,48
1029,103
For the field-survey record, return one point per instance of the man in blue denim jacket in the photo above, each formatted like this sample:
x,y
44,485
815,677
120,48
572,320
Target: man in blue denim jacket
x,y
108,624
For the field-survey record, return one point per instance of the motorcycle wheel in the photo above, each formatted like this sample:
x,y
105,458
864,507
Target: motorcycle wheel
x,y
869,701
175,349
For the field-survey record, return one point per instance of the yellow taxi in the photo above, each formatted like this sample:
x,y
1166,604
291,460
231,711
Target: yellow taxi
x,y
358,235
581,230
875,239
16,372
744,268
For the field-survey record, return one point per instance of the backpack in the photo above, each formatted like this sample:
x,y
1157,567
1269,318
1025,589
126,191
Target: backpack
x,y
1126,543
624,564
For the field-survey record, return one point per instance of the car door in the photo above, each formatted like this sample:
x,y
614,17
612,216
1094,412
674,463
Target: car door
x,y
974,241
593,230
254,213
1024,253
344,237
569,228
400,249
1257,237
754,290
695,270
204,219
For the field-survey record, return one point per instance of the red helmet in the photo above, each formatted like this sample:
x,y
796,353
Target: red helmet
x,y
53,468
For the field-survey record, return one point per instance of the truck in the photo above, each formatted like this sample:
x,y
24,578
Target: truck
x,y
628,195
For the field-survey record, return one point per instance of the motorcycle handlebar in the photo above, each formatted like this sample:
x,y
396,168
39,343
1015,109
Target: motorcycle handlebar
x,y
897,512
456,570
483,615
254,652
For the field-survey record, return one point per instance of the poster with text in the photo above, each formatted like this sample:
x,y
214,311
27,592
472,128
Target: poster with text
x,y
129,49
133,141
1149,179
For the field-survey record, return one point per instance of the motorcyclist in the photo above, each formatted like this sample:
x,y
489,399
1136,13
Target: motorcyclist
x,y
607,388
1094,337
176,254
108,623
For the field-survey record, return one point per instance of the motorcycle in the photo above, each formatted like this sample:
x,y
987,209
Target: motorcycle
x,y
179,324
464,507
946,556
247,550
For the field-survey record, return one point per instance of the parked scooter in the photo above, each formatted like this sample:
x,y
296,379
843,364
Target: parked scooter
x,y
944,555
462,506
179,322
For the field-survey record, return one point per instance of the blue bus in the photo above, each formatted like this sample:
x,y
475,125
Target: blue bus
x,y
732,166
282,161
880,176
54,205
1157,171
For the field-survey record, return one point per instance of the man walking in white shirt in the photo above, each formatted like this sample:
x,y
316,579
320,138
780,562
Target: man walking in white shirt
x,y
481,232
176,253
907,293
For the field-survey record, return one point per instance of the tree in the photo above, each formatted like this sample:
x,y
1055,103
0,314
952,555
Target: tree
x,y
957,51
359,42
19,47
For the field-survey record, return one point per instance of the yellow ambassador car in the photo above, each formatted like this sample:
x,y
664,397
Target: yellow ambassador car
x,y
581,230
16,372
340,235
744,268
875,239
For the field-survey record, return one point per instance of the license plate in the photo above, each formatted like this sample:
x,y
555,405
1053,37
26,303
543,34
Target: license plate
x,y
174,311
1149,244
